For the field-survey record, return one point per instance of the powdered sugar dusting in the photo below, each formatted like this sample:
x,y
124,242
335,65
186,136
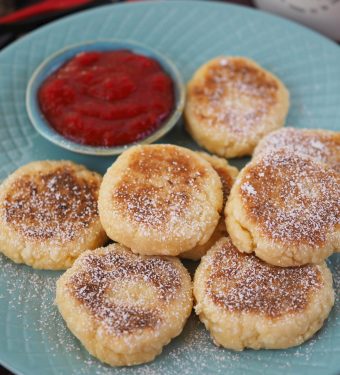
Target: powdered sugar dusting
x,y
320,145
30,294
242,282
292,198
236,96
165,190
248,188
146,206
103,275
54,205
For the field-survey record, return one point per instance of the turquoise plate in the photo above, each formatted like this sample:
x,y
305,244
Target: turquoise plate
x,y
33,337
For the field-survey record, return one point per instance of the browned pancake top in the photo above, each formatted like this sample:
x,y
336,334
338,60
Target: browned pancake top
x,y
55,205
159,185
243,283
291,199
323,146
100,274
227,81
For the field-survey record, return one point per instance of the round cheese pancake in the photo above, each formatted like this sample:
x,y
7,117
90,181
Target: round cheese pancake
x,y
227,174
48,214
124,307
286,209
160,200
247,303
232,103
321,145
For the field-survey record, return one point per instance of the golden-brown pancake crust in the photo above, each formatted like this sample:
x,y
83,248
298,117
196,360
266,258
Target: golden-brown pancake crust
x,y
160,200
321,145
232,103
49,214
286,209
247,303
124,307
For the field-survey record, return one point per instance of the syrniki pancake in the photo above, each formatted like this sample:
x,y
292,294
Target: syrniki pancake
x,y
286,209
232,103
247,303
227,174
48,214
124,307
321,145
160,200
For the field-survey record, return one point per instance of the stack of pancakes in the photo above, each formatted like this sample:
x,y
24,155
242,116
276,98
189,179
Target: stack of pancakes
x,y
263,234
268,286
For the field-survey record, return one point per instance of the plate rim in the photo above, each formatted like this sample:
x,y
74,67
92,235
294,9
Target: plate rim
x,y
145,3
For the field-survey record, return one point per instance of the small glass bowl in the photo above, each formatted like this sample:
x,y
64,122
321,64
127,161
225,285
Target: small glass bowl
x,y
52,63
